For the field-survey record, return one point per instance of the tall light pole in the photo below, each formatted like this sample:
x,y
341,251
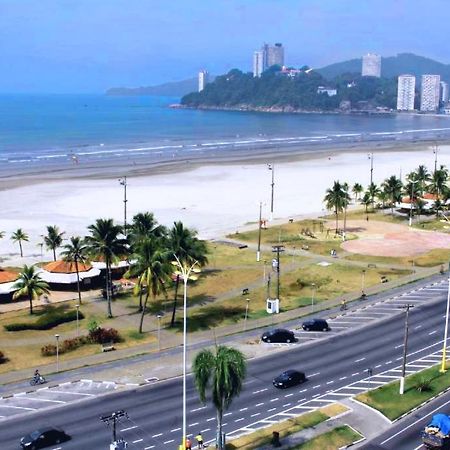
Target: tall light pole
x,y
246,313
435,151
159,332
363,283
123,182
411,201
444,346
78,319
370,156
258,252
313,285
278,249
272,168
185,271
405,349
57,352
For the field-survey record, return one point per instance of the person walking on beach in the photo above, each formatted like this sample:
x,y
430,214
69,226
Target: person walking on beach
x,y
199,439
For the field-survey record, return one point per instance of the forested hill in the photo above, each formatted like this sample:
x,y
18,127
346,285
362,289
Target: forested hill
x,y
274,90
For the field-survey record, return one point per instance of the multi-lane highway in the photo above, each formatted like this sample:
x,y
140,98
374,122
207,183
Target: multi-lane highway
x,y
331,364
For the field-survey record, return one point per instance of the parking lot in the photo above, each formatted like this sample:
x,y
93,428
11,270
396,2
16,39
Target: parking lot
x,y
49,397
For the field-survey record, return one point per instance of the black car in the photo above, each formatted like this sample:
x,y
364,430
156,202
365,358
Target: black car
x,y
289,378
279,335
315,325
43,437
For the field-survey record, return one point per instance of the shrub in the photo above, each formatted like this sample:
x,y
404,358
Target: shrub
x,y
423,385
48,350
3,358
104,335
67,345
92,325
47,321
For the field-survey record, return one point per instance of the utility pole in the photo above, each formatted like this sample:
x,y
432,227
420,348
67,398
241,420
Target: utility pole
x,y
123,182
371,167
113,419
435,151
258,252
405,349
272,168
444,346
278,249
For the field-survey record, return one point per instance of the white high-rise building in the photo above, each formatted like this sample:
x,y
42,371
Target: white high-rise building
x,y
405,92
203,79
371,65
429,94
258,63
444,92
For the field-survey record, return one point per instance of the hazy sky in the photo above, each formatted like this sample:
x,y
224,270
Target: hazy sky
x,y
90,45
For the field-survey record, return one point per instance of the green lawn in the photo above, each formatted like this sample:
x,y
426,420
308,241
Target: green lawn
x,y
333,440
388,400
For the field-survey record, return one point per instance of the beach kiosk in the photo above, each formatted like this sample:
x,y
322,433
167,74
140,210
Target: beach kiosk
x,y
273,306
7,282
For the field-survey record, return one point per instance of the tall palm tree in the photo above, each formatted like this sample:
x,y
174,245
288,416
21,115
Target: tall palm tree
x,y
382,197
357,189
346,202
373,191
153,269
335,200
224,373
366,201
411,189
105,243
423,177
30,284
144,225
184,244
393,188
53,239
438,181
20,236
75,252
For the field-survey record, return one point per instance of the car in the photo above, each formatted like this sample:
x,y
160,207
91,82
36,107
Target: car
x,y
279,335
43,437
315,325
289,378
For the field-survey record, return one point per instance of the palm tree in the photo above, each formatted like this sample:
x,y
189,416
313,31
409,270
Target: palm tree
x,y
422,176
153,269
30,284
438,181
2,234
335,199
420,205
346,202
53,239
20,236
411,189
223,372
373,191
383,197
357,189
105,243
143,226
393,188
366,201
75,251
184,244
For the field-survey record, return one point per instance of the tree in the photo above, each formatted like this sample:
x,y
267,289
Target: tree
x,y
422,176
373,191
438,181
357,189
2,234
393,188
184,244
224,373
383,197
153,269
53,239
411,189
366,201
75,251
144,225
346,202
30,284
105,243
420,205
20,236
335,200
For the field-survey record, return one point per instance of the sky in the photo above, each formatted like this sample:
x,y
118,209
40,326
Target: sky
x,y
88,46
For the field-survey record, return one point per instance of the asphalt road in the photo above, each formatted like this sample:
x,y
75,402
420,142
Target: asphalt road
x,y
405,434
155,411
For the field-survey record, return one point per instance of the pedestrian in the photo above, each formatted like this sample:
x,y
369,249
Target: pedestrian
x,y
199,439
188,444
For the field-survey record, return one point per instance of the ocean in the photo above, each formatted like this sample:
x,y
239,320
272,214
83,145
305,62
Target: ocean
x,y
37,129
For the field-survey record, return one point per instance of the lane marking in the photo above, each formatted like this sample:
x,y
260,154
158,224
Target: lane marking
x,y
360,359
129,428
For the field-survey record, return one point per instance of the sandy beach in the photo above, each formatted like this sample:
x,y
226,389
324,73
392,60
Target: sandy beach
x,y
213,198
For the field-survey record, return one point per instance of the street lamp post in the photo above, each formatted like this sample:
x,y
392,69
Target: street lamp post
x,y
78,319
435,151
405,349
57,352
258,252
363,283
411,201
278,249
246,313
159,332
444,346
313,285
123,182
272,168
186,274
370,156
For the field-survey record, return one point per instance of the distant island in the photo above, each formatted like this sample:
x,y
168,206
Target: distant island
x,y
171,89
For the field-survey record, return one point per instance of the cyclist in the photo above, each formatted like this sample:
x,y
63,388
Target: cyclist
x,y
343,305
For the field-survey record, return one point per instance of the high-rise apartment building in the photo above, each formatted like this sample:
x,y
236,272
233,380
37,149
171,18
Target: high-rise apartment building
x,y
258,63
444,92
266,57
429,93
405,92
203,79
371,65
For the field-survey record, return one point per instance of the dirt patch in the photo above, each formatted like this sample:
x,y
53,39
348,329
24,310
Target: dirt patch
x,y
388,239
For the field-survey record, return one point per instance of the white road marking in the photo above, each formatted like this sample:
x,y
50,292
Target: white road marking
x,y
129,428
243,409
239,420
360,359
259,404
165,442
256,414
175,429
343,378
157,435
271,409
140,440
432,332
274,399
314,374
197,409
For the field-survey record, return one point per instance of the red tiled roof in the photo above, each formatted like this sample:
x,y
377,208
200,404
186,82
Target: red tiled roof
x,y
8,277
66,267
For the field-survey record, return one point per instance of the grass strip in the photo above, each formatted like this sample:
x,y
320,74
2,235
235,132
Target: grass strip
x,y
388,401
332,440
